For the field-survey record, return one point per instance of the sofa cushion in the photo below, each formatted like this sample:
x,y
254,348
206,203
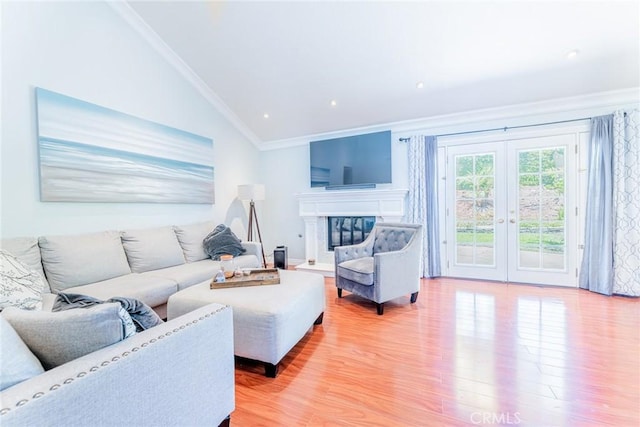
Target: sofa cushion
x,y
195,272
26,249
222,241
359,270
191,237
57,338
19,286
152,249
87,258
152,290
18,362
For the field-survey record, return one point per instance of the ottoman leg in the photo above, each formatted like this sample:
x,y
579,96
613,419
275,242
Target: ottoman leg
x,y
318,321
270,370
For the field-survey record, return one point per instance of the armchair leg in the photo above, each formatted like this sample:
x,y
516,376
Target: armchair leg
x,y
414,297
339,292
380,307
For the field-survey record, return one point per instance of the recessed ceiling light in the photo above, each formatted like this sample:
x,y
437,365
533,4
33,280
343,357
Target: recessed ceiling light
x,y
265,115
334,103
420,85
572,54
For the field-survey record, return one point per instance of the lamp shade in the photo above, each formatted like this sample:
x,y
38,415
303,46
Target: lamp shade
x,y
251,192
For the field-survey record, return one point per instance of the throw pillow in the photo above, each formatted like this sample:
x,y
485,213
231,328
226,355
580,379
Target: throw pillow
x,y
222,241
56,338
19,286
18,363
137,315
26,249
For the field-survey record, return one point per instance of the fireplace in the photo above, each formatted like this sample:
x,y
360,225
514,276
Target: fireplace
x,y
348,230
315,209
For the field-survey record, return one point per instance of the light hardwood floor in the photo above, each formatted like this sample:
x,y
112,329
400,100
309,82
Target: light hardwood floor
x,y
467,353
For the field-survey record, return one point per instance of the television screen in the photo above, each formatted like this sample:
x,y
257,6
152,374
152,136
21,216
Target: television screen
x,y
360,160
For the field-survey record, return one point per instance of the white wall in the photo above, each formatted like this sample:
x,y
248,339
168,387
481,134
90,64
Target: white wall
x,y
87,51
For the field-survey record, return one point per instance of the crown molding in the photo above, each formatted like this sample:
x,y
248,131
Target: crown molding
x,y
126,12
527,113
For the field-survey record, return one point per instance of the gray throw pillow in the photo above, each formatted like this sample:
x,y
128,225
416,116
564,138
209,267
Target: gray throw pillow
x,y
222,241
56,338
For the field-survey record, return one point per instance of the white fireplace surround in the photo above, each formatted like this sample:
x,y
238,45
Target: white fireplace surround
x,y
314,208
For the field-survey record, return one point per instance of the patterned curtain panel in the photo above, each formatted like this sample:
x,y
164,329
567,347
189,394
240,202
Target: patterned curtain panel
x,y
596,273
626,202
423,199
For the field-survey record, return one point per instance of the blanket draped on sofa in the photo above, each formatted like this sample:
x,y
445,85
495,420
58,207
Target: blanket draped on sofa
x,y
142,315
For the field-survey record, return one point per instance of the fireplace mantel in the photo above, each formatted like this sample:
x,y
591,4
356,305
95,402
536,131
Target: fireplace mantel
x,y
315,207
380,203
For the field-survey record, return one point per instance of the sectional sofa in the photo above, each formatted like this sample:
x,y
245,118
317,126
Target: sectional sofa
x,y
147,264
180,373
177,373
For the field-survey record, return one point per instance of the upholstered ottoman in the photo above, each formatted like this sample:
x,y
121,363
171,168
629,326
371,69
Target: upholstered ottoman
x,y
268,320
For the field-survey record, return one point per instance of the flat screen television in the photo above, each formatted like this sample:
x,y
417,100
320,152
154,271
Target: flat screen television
x,y
352,161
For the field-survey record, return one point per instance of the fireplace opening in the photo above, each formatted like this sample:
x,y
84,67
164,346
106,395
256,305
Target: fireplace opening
x,y
348,230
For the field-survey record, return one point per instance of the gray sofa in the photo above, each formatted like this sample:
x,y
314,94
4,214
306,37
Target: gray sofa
x,y
147,264
177,373
180,373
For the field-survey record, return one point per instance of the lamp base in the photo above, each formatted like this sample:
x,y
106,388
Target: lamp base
x,y
254,218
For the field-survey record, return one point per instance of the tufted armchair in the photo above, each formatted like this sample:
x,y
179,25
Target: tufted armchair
x,y
383,267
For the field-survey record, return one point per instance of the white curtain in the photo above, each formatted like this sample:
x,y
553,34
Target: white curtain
x,y
626,202
423,199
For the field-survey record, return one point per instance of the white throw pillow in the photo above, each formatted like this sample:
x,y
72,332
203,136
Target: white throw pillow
x,y
56,338
17,361
19,286
26,249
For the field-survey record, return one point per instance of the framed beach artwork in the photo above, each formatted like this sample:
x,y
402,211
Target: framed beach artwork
x,y
89,153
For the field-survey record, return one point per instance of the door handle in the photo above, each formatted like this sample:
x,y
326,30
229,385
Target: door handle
x,y
500,221
512,220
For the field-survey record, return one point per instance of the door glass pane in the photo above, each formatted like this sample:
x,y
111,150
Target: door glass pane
x,y
541,206
474,209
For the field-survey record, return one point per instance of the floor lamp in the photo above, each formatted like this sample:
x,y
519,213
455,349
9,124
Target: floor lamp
x,y
253,192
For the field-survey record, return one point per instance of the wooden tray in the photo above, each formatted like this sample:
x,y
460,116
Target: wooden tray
x,y
256,277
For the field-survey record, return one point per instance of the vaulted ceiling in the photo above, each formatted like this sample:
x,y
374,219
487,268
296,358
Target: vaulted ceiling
x,y
291,60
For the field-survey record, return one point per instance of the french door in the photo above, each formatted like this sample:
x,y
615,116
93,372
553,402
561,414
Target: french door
x,y
511,211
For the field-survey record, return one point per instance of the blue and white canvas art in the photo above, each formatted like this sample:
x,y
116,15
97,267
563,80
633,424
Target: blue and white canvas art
x,y
89,153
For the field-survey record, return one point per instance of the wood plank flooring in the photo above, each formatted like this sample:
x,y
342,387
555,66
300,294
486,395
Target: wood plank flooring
x,y
466,353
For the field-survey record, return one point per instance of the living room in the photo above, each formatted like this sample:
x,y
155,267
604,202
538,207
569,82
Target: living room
x,y
107,54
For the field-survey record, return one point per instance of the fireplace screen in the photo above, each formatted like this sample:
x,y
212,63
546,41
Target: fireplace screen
x,y
348,230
